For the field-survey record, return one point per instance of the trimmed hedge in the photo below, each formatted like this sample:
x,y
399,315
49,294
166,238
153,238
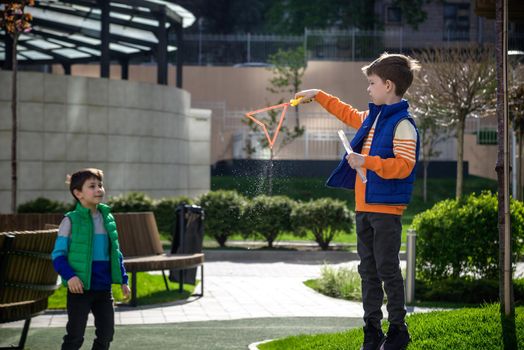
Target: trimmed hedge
x,y
324,217
44,205
223,211
460,237
268,217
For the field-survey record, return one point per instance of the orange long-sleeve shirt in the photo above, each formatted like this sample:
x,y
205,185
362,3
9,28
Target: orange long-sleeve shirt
x,y
404,148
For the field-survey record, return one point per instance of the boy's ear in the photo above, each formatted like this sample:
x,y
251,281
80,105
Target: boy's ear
x,y
390,86
77,193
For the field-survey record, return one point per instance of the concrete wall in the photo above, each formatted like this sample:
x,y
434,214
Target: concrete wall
x,y
481,158
144,136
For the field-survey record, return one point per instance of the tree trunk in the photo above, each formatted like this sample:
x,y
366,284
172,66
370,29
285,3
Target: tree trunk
x,y
507,303
14,130
520,194
460,156
270,173
425,184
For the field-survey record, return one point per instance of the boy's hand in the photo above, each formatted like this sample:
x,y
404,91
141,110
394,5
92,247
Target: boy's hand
x,y
75,285
307,95
126,291
355,160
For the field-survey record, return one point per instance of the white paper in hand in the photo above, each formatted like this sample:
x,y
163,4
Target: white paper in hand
x,y
347,146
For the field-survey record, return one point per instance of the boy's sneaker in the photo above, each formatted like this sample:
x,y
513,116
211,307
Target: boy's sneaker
x,y
373,338
397,338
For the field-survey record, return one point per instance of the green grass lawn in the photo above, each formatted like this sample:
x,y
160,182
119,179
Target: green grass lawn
x,y
150,290
464,329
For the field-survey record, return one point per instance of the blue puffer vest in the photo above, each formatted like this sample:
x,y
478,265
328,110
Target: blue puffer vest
x,y
378,190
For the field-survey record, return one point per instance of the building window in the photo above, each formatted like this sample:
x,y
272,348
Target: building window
x,y
456,22
393,15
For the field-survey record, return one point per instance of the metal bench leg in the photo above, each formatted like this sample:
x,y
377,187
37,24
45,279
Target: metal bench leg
x,y
133,301
201,280
23,337
181,281
165,279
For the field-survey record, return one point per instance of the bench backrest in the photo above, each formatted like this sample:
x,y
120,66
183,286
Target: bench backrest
x,y
26,269
137,232
28,222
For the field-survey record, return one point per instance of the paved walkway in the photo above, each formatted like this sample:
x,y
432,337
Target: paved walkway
x,y
236,290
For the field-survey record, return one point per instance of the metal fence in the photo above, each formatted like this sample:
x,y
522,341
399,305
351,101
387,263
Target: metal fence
x,y
230,136
333,45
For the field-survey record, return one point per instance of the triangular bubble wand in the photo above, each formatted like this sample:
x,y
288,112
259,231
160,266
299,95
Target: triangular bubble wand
x,y
284,106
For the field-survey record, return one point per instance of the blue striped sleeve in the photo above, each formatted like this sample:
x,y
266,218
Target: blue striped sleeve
x,y
61,249
125,277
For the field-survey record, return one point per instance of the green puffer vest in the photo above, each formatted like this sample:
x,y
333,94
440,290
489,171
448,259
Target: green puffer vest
x,y
80,256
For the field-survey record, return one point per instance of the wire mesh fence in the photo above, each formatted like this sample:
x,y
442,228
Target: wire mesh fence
x,y
333,45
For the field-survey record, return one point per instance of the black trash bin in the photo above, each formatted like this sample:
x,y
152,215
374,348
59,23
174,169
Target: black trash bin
x,y
187,238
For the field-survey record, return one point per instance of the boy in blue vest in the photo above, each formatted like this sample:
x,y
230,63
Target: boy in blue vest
x,y
88,258
386,148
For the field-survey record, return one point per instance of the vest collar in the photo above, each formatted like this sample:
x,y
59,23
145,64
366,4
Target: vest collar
x,y
388,110
103,208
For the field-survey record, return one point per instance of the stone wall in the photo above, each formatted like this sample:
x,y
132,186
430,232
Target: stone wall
x,y
144,136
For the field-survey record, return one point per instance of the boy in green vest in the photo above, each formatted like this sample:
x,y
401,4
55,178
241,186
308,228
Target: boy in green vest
x,y
87,256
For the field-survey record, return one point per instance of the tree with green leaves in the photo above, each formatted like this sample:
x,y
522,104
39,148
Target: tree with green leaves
x,y
457,83
14,21
288,68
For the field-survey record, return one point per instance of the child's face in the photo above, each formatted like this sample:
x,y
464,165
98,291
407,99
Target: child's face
x,y
92,193
378,89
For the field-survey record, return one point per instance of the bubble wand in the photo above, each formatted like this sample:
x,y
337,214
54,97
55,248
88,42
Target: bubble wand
x,y
271,140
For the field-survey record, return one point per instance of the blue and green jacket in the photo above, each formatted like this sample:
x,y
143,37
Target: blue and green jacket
x,y
94,257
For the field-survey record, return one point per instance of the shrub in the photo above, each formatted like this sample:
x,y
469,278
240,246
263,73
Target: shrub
x,y
223,212
465,290
131,202
460,237
165,212
324,217
267,217
341,283
44,205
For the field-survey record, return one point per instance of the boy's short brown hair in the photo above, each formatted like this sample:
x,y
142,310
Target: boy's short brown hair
x,y
396,68
77,180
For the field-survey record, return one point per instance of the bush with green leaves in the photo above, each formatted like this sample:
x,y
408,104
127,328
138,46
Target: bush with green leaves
x,y
267,217
465,290
131,202
343,283
165,209
460,237
223,214
44,205
324,217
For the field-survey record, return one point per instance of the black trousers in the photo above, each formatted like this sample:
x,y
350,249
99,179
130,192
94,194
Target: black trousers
x,y
378,246
78,308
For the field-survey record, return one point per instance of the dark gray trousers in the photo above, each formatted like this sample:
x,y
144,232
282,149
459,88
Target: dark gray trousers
x,y
78,308
378,246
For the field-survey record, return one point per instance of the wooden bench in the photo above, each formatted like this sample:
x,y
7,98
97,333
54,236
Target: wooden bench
x,y
27,276
142,250
139,241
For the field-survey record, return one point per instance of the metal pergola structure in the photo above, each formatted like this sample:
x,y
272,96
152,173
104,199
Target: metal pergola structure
x,y
82,31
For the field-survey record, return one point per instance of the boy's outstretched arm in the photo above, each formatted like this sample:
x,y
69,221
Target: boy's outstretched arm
x,y
343,111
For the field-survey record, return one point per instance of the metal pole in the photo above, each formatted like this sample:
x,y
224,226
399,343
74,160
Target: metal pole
x,y
515,172
353,45
410,265
105,59
248,47
507,232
